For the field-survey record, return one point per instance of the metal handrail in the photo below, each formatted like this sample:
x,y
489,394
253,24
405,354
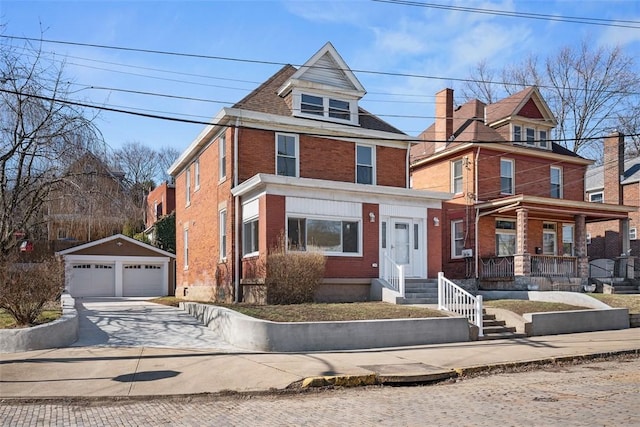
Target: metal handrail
x,y
453,298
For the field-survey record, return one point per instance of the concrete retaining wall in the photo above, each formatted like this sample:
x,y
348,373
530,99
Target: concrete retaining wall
x,y
59,333
255,334
571,298
569,322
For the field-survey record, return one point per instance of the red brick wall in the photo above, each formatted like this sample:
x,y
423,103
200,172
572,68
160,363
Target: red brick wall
x,y
434,242
530,110
164,195
320,158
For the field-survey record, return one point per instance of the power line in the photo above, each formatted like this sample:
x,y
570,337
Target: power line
x,y
528,15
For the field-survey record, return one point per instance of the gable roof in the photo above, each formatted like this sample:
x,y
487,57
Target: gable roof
x,y
514,105
594,177
116,238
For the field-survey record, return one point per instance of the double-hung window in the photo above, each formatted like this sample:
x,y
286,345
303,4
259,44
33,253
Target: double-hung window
x,y
222,157
188,186
222,224
324,106
506,176
517,133
287,154
185,253
567,239
633,233
556,182
531,136
542,135
196,171
325,235
310,104
505,237
339,109
250,239
457,239
365,157
456,176
549,238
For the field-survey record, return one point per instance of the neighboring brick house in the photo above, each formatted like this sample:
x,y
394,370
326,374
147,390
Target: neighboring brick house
x,y
90,203
161,201
299,156
616,181
518,216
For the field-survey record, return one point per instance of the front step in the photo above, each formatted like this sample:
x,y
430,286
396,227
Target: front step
x,y
419,291
494,329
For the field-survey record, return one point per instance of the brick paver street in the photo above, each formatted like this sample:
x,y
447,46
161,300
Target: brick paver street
x,y
604,393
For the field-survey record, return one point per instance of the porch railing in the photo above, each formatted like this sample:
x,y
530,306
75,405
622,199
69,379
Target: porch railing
x,y
394,274
550,265
453,298
496,267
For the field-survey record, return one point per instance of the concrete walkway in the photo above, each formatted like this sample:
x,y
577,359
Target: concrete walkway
x,y
143,371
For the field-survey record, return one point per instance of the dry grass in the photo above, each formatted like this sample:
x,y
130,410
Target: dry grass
x,y
52,312
525,306
632,302
323,312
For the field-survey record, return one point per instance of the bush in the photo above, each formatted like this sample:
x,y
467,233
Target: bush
x,y
26,287
292,277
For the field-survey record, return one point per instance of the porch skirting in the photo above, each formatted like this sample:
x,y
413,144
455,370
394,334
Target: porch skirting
x,y
528,283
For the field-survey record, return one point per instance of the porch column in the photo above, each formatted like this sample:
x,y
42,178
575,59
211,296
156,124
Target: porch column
x,y
623,267
581,248
522,259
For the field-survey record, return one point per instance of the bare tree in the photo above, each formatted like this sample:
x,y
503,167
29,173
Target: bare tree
x,y
138,162
584,87
166,156
38,132
483,86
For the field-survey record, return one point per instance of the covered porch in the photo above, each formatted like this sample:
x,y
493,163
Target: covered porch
x,y
537,242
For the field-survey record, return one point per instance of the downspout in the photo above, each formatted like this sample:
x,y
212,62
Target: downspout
x,y
406,165
477,218
236,214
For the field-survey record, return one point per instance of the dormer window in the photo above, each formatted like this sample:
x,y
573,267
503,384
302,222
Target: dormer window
x,y
542,139
326,107
517,134
532,137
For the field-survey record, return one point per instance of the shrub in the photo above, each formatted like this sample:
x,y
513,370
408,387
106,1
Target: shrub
x,y
292,277
26,287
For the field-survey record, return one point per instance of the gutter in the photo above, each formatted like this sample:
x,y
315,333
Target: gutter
x,y
236,214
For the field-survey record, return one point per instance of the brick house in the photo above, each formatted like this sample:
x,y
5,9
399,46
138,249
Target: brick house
x,y
160,201
616,181
299,157
518,217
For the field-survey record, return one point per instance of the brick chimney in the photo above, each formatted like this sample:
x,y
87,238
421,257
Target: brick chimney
x,y
613,168
444,118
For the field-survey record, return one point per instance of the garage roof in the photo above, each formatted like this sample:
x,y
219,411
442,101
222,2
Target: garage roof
x,y
117,245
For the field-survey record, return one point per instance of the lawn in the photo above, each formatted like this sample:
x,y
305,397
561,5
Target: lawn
x,y
525,306
323,312
52,312
632,302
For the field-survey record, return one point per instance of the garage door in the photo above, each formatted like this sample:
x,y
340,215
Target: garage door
x,y
92,280
143,280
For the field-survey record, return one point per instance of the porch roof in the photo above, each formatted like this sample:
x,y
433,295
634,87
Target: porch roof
x,y
593,212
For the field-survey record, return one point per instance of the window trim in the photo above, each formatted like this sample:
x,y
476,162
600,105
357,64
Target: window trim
x,y
512,177
188,185
222,238
507,231
372,166
359,221
245,222
633,233
553,231
222,157
530,141
326,107
454,239
517,133
544,145
185,248
573,238
560,184
296,148
196,173
454,178
598,193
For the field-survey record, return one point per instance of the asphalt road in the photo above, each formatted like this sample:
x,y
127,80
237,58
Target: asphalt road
x,y
604,393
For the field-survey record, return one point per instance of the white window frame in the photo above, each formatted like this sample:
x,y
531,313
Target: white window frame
x,y
196,173
597,193
454,178
507,231
588,237
553,232
633,233
329,218
455,238
326,109
560,184
222,157
188,185
256,250
372,165
185,250
222,225
543,142
530,136
517,133
565,239
512,164
296,138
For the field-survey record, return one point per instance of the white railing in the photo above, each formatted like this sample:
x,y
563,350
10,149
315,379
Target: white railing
x,y
453,298
393,274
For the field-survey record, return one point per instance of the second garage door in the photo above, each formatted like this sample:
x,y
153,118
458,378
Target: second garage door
x,y
143,280
92,280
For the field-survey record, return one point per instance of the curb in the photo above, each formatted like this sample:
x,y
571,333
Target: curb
x,y
377,379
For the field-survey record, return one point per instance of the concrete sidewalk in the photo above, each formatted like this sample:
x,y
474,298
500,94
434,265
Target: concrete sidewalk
x,y
147,371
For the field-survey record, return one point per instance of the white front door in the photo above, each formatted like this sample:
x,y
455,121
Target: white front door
x,y
401,244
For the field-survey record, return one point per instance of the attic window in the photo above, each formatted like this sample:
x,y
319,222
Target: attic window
x,y
333,109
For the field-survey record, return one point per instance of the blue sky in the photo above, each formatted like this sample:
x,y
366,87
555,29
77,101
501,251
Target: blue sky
x,y
373,36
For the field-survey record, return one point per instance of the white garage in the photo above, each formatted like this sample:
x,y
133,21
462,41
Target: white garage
x,y
118,266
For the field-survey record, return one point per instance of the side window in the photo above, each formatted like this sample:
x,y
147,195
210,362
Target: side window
x,y
556,182
517,133
457,239
287,154
222,157
456,177
188,186
223,233
506,176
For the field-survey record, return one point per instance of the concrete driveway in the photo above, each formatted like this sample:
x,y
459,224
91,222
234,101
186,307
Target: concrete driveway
x,y
134,322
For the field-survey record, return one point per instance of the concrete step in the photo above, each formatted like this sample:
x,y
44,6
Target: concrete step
x,y
416,300
488,323
421,295
501,336
420,286
634,320
498,329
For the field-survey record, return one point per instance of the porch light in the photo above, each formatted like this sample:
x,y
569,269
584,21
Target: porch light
x,y
436,221
372,217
